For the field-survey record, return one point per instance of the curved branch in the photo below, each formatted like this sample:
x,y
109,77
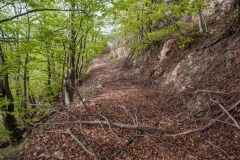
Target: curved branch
x,y
83,146
40,10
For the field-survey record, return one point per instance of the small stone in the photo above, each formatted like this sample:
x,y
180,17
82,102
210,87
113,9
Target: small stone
x,y
41,155
47,156
59,154
92,104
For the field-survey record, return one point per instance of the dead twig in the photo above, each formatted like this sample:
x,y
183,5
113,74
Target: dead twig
x,y
209,91
209,124
220,149
109,125
130,140
83,146
80,124
84,104
229,115
134,118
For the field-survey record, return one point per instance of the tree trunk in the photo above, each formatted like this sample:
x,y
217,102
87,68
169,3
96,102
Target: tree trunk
x,y
238,7
78,58
25,79
69,80
9,121
201,22
25,74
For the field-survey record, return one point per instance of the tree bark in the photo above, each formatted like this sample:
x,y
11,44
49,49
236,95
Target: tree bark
x,y
69,80
201,22
238,7
9,121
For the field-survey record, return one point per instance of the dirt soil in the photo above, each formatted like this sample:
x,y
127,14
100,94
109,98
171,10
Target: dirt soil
x,y
114,94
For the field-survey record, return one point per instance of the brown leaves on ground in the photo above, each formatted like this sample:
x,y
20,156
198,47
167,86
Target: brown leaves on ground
x,y
107,88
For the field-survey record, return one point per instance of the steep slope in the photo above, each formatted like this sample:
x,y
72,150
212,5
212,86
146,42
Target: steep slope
x,y
114,95
177,104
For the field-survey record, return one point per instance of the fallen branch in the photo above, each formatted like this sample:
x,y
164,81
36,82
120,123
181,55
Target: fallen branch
x,y
220,150
109,125
134,119
84,104
118,125
127,126
209,124
80,124
229,115
130,140
83,146
209,91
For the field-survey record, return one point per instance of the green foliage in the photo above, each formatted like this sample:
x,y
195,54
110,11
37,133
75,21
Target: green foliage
x,y
4,133
110,56
45,40
184,40
147,22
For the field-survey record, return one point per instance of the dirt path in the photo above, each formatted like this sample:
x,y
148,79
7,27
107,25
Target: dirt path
x,y
115,95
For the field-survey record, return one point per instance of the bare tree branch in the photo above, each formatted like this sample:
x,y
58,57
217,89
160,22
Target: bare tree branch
x,y
134,118
39,10
109,125
220,150
83,146
229,115
209,124
119,125
7,4
130,140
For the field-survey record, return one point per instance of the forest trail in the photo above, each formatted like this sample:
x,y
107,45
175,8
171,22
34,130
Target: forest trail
x,y
113,94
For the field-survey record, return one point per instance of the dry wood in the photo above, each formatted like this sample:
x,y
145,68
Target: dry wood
x,y
209,124
229,115
128,126
220,150
83,146
119,125
130,140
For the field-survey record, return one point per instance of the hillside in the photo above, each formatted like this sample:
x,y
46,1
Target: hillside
x,y
171,101
197,114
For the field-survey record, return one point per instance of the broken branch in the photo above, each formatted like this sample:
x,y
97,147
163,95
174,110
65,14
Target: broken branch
x,y
220,150
229,115
119,125
83,146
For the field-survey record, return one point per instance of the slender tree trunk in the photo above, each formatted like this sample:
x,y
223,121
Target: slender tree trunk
x,y
238,7
78,57
84,46
69,80
80,71
25,74
201,21
25,79
9,121
49,81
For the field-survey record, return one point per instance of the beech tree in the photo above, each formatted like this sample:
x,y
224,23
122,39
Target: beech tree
x,y
147,21
7,105
44,48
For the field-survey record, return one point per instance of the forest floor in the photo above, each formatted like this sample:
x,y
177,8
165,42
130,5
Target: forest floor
x,y
115,95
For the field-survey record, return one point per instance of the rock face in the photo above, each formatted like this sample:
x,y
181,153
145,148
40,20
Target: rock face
x,y
184,68
219,6
119,49
166,49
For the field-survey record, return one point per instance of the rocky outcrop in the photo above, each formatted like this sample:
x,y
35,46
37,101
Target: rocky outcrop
x,y
119,48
